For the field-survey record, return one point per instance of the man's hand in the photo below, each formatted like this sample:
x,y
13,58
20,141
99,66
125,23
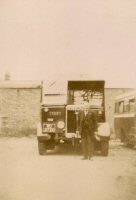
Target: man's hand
x,y
96,133
96,136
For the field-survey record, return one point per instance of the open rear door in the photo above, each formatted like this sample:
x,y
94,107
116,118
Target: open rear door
x,y
72,120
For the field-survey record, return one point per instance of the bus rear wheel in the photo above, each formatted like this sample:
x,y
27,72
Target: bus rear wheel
x,y
130,145
105,148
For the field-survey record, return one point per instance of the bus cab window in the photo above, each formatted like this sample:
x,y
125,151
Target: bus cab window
x,y
126,106
121,107
131,105
116,107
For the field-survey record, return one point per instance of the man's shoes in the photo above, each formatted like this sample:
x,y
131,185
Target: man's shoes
x,y
84,158
90,158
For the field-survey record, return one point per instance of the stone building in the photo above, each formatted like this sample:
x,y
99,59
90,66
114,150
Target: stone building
x,y
19,107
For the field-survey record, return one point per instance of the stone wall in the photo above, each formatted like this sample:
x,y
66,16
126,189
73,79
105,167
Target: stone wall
x,y
19,111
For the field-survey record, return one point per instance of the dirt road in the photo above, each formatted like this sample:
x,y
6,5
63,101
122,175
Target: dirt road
x,y
26,175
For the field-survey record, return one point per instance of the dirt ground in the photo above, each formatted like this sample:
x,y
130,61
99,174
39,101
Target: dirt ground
x,y
26,175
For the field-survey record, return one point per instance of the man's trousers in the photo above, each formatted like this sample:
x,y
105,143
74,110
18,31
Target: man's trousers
x,y
87,146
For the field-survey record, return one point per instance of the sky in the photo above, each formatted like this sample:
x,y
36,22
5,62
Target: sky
x,y
49,39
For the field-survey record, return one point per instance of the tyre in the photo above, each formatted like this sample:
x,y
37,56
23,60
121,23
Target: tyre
x,y
105,148
129,142
41,148
130,145
50,145
122,135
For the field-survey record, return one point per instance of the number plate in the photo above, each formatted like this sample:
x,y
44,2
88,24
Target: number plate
x,y
50,128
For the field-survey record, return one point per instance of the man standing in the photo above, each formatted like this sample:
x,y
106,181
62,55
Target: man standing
x,y
88,125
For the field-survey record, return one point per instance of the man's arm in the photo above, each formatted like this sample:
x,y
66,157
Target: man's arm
x,y
95,122
80,123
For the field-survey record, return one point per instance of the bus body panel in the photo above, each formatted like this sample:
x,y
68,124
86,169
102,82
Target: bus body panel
x,y
125,118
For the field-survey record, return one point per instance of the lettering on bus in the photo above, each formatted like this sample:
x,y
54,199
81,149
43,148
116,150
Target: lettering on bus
x,y
54,113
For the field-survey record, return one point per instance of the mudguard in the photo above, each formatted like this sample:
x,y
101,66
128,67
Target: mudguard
x,y
103,133
104,129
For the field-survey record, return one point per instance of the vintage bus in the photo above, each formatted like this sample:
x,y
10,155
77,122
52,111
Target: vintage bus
x,y
125,118
61,106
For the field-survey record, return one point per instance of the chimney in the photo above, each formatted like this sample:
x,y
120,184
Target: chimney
x,y
7,77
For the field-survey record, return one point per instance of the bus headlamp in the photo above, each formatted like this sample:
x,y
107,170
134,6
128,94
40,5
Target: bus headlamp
x,y
60,124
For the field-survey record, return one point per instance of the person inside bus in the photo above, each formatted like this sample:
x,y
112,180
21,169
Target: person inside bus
x,y
88,126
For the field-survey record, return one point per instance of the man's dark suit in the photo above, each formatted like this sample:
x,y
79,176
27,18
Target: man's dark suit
x,y
88,125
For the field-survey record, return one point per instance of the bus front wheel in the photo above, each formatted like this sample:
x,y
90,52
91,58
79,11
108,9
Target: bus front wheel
x,y
41,148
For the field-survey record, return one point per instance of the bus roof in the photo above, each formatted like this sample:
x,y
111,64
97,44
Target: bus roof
x,y
59,99
56,92
126,95
61,86
55,87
